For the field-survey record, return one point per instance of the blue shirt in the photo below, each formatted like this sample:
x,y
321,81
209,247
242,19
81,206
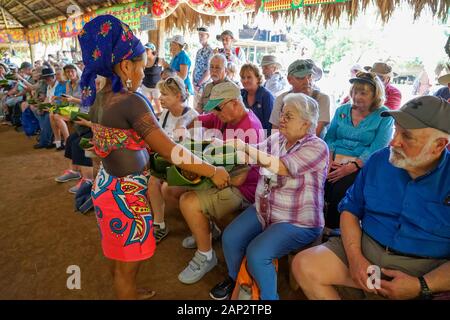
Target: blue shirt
x,y
409,215
262,107
444,93
177,61
59,90
372,133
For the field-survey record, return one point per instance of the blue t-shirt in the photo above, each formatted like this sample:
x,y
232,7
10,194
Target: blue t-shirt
x,y
262,107
411,216
59,90
372,134
177,61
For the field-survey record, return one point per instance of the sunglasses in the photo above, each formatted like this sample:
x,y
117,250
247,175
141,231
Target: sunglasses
x,y
220,107
171,81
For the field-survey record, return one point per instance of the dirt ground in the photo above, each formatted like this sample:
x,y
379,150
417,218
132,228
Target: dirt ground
x,y
41,236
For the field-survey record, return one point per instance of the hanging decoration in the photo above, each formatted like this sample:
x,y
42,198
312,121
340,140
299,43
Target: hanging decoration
x,y
12,36
129,13
282,5
161,9
72,26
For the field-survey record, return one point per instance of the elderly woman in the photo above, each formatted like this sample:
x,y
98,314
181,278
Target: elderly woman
x,y
125,125
181,62
174,102
255,96
289,199
356,131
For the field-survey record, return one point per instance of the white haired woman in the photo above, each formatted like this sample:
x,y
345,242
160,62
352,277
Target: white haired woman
x,y
289,198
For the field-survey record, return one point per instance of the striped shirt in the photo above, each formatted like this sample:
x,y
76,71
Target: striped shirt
x,y
298,198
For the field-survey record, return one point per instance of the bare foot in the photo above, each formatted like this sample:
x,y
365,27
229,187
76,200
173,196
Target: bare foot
x,y
145,293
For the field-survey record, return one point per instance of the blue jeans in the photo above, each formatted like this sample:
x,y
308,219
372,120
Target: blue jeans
x,y
46,136
246,237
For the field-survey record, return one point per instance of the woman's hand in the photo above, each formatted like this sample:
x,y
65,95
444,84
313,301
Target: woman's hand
x,y
221,178
340,172
83,122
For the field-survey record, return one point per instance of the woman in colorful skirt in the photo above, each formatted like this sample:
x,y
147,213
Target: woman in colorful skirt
x,y
123,128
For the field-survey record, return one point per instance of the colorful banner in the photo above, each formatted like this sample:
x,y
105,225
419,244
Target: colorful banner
x,y
71,27
12,36
161,9
282,5
129,13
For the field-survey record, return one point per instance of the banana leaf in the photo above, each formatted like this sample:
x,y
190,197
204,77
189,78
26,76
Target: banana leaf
x,y
32,101
66,111
85,143
10,76
42,106
220,155
75,115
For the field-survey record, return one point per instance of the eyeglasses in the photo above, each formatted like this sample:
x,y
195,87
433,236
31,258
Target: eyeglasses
x,y
220,107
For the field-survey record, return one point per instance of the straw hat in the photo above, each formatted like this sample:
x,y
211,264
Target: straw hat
x,y
444,80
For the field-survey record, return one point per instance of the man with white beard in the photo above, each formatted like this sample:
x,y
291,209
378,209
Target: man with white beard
x,y
395,219
217,73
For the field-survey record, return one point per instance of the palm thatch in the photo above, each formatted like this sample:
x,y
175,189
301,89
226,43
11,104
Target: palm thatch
x,y
29,13
330,13
187,19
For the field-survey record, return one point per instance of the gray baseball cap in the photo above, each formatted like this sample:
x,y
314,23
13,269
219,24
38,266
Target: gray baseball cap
x,y
423,112
221,92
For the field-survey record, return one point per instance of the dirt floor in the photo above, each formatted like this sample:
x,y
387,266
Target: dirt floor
x,y
41,236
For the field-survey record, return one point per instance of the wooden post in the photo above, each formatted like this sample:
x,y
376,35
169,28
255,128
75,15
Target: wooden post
x,y
30,47
158,37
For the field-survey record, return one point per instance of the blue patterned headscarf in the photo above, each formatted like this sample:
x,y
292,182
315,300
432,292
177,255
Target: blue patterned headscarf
x,y
105,41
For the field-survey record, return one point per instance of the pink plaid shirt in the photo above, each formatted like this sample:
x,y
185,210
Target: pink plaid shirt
x,y
298,198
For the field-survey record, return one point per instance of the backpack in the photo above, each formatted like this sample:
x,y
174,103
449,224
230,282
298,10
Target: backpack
x,y
83,199
29,123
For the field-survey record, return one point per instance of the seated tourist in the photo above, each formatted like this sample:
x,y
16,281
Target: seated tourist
x,y
394,217
230,117
174,102
288,211
302,76
357,131
275,82
255,96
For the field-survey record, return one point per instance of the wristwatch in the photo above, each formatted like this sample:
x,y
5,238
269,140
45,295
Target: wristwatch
x,y
425,292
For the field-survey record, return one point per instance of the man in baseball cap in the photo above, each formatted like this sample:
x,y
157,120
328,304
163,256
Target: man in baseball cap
x,y
395,215
233,54
302,76
229,115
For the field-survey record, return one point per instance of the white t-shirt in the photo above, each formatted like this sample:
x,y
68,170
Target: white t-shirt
x,y
168,121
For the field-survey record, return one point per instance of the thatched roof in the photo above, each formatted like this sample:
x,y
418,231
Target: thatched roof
x,y
29,13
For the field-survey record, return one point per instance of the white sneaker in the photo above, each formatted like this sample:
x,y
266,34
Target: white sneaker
x,y
197,268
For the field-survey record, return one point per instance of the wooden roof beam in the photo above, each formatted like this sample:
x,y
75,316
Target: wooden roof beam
x,y
27,8
12,15
4,18
56,8
76,3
